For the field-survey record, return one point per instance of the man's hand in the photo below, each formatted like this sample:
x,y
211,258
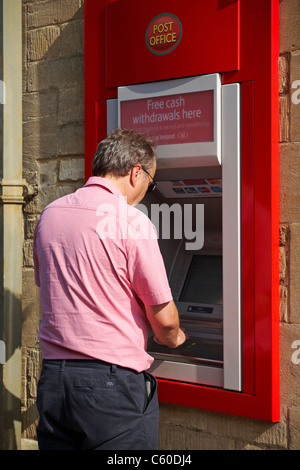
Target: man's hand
x,y
182,337
164,320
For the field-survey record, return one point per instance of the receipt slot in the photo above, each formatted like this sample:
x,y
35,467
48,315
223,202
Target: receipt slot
x,y
203,81
198,177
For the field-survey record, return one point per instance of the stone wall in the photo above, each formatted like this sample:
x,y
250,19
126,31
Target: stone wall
x,y
53,118
289,148
53,146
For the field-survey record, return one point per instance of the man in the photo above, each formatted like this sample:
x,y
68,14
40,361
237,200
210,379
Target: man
x,y
102,281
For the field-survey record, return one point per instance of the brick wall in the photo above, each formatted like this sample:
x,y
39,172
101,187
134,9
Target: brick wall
x,y
53,145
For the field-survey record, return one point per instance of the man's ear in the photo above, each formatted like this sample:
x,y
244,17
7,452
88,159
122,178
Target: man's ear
x,y
134,174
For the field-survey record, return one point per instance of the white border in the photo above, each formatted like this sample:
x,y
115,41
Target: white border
x,y
231,224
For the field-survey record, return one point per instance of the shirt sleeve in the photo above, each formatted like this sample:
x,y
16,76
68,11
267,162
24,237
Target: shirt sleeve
x,y
146,267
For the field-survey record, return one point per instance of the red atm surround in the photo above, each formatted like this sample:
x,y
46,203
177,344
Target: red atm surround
x,y
239,40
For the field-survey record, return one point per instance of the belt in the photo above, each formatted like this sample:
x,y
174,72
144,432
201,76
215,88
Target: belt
x,y
84,363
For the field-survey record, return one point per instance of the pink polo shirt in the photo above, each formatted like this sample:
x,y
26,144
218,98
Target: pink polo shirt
x,y
97,262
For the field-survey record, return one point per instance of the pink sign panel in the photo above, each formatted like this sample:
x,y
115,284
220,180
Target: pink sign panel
x,y
173,119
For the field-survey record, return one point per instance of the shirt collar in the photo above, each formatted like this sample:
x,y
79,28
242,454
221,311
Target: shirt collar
x,y
99,181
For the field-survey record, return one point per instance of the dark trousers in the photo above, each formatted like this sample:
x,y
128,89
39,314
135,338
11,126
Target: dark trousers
x,y
93,405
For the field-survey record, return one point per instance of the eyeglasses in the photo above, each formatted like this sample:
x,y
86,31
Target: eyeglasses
x,y
153,184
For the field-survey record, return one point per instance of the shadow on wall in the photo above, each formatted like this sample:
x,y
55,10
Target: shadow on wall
x,y
31,354
10,404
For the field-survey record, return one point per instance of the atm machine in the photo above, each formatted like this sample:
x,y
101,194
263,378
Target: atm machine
x,y
196,124
203,81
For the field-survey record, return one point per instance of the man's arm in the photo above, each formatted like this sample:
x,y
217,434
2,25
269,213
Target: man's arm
x,y
164,320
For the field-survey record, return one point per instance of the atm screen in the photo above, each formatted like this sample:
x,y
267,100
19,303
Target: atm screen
x,y
203,283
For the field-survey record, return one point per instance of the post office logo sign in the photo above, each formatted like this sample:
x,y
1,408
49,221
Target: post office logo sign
x,y
163,34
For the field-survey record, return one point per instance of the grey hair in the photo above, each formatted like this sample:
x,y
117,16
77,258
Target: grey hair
x,y
120,151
